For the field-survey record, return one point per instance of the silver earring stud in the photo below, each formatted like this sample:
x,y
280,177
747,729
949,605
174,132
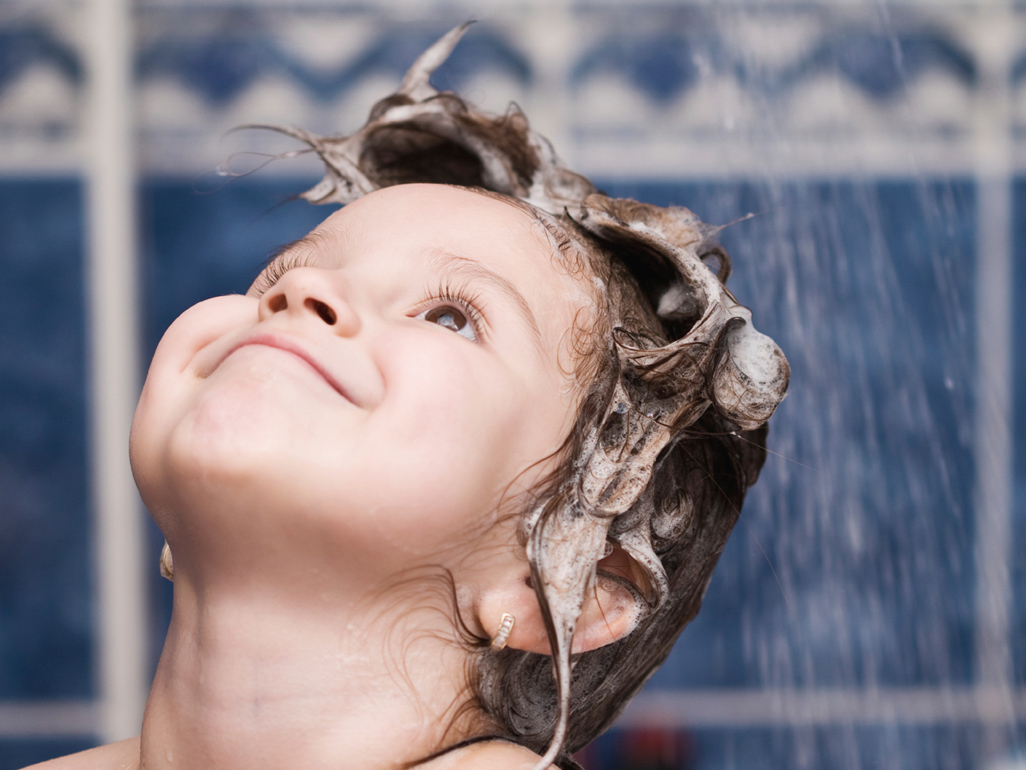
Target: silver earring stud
x,y
502,635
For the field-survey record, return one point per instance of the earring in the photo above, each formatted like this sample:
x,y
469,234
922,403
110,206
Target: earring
x,y
502,635
167,566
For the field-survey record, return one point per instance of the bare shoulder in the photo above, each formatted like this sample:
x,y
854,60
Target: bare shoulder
x,y
492,755
123,755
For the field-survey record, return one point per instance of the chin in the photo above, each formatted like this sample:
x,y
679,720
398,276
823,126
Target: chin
x,y
216,452
226,445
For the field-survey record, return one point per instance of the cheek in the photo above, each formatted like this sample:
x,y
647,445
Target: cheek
x,y
451,397
465,427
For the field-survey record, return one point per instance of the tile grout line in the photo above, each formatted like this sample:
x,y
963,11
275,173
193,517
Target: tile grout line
x,y
55,719
732,708
113,363
993,437
680,709
996,47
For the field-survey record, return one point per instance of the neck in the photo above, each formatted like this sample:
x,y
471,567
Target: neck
x,y
253,678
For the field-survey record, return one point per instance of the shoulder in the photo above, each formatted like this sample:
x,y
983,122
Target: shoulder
x,y
489,755
123,755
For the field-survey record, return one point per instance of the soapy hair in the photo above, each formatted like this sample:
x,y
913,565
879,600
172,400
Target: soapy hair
x,y
672,428
675,531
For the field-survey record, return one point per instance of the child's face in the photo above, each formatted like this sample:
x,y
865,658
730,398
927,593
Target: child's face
x,y
378,399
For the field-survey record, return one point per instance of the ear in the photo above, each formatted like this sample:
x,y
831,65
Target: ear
x,y
614,604
611,609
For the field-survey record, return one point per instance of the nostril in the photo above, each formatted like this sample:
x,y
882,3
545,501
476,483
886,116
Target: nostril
x,y
277,303
326,313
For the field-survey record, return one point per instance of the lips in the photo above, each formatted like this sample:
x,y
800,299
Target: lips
x,y
287,345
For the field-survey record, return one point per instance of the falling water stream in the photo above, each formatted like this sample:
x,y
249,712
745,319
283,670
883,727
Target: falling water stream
x,y
852,577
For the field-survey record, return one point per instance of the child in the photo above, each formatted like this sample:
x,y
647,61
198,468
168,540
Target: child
x,y
481,429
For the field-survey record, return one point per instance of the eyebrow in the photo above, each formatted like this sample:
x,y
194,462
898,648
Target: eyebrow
x,y
307,243
311,241
446,261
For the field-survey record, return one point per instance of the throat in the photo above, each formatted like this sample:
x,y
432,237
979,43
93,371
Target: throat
x,y
247,683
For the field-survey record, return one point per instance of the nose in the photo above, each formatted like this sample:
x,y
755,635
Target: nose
x,y
310,292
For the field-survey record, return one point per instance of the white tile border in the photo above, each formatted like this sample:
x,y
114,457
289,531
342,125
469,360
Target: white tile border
x,y
677,709
121,642
49,719
996,43
788,708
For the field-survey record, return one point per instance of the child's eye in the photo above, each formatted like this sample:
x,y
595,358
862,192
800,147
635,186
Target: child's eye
x,y
452,318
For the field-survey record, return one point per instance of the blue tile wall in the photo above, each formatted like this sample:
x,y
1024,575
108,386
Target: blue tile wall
x,y
46,608
18,753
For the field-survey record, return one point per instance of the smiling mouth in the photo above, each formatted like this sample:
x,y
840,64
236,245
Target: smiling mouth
x,y
278,343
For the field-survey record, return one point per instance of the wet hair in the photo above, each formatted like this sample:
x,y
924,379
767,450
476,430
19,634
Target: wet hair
x,y
672,427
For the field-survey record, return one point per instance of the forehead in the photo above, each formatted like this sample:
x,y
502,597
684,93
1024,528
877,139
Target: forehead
x,y
454,214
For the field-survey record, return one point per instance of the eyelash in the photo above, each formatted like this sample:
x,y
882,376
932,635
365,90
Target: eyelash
x,y
465,301
461,296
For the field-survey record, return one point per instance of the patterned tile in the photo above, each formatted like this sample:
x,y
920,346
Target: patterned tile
x,y
46,620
